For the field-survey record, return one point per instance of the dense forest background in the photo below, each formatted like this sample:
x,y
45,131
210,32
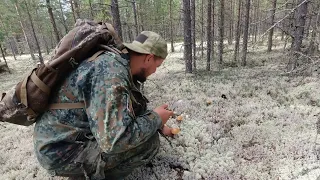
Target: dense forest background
x,y
216,31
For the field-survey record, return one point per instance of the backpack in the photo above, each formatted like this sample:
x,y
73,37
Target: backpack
x,y
24,102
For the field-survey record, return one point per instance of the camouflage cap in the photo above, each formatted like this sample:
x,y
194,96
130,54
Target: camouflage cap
x,y
148,42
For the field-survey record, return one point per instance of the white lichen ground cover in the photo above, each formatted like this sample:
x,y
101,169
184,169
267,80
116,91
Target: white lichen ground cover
x,y
265,128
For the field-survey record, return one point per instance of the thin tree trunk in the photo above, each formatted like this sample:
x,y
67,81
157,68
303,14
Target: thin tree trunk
x,y
16,45
140,17
213,36
209,40
33,32
4,57
46,44
314,45
53,23
91,9
12,49
23,30
40,28
171,26
129,29
230,37
252,13
62,16
73,11
187,36
258,25
221,32
134,5
256,19
237,43
307,28
52,40
76,8
300,21
246,34
9,39
202,28
273,12
116,17
193,31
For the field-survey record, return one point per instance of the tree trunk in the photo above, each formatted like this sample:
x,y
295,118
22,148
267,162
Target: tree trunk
x,y
129,29
298,33
230,36
12,49
77,8
41,29
62,17
257,19
116,17
91,9
246,34
16,45
209,40
23,30
9,39
193,31
171,26
221,32
314,45
202,28
307,29
4,57
73,11
33,32
53,23
134,5
213,36
237,43
52,40
273,12
187,36
46,44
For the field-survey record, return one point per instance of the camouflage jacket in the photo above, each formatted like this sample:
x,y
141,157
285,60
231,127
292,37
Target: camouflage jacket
x,y
115,113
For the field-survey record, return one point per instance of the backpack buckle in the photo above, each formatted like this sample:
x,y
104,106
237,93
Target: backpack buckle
x,y
73,62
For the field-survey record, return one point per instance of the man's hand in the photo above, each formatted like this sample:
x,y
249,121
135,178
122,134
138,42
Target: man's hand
x,y
167,131
164,113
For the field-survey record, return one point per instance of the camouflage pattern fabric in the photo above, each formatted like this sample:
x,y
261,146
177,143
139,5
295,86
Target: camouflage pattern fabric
x,y
115,132
148,42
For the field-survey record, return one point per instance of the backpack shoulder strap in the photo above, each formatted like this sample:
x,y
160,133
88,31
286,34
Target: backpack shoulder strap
x,y
95,55
79,105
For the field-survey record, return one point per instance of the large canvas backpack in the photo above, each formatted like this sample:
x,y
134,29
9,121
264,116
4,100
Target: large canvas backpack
x,y
25,101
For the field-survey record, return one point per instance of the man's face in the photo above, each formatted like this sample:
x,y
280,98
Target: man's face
x,y
150,65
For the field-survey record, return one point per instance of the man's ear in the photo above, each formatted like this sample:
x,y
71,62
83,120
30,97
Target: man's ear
x,y
148,59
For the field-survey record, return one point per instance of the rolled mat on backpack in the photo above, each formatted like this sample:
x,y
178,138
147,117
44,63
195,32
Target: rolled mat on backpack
x,y
12,111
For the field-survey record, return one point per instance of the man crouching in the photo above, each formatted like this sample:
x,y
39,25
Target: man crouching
x,y
98,125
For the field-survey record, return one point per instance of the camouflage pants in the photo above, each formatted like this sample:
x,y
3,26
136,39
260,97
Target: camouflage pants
x,y
93,164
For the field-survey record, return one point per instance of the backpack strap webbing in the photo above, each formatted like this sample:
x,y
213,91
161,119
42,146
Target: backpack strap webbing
x,y
79,105
35,79
95,55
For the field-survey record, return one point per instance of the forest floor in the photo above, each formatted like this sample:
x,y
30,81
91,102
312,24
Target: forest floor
x,y
261,123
